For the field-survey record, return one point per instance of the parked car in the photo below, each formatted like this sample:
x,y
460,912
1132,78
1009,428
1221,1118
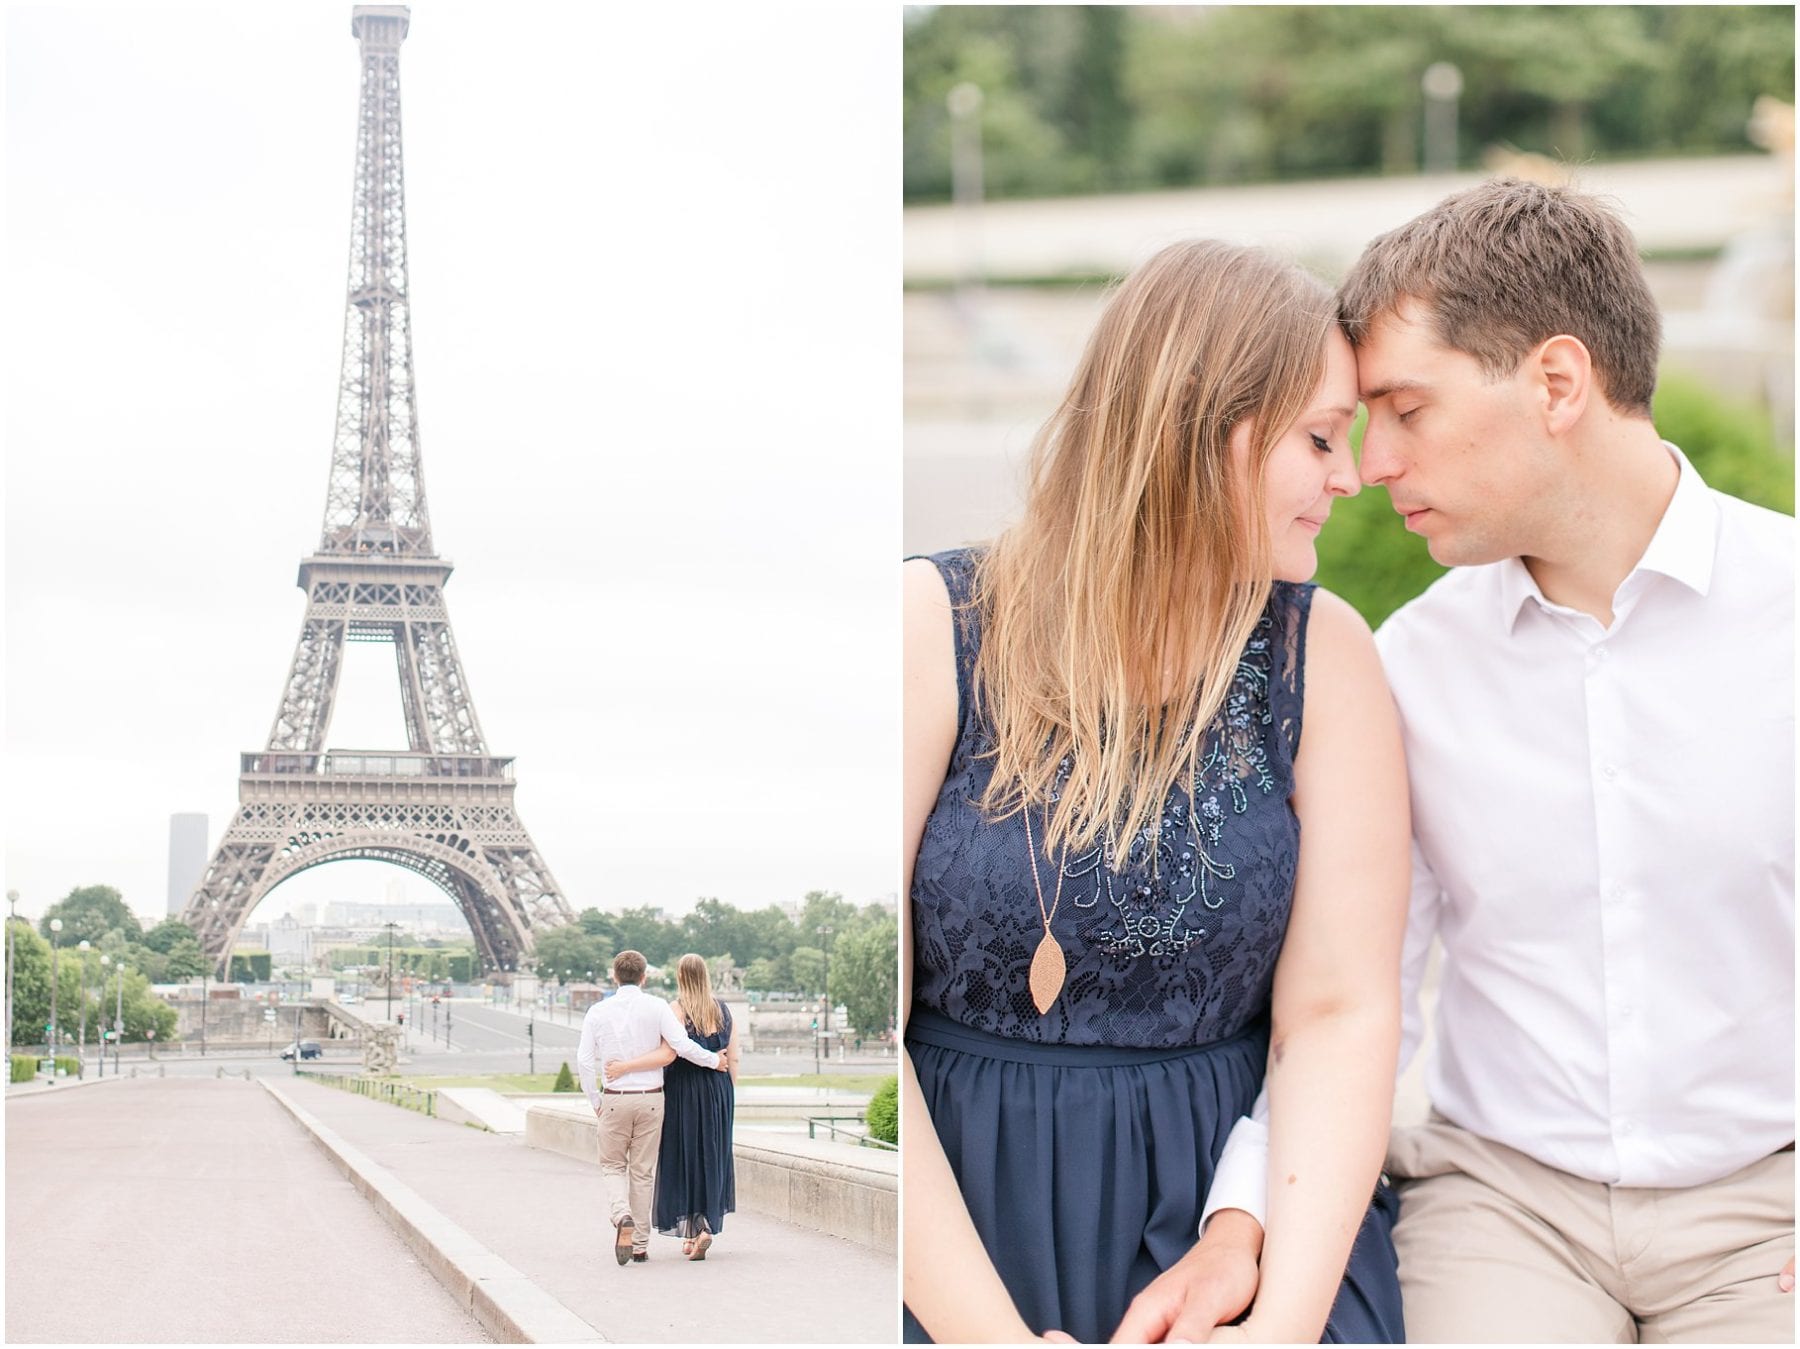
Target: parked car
x,y
309,1049
348,999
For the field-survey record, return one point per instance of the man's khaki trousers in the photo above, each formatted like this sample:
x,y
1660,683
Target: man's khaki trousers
x,y
1497,1247
630,1133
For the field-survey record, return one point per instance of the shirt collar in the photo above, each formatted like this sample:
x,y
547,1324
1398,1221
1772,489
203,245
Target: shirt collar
x,y
625,989
1682,547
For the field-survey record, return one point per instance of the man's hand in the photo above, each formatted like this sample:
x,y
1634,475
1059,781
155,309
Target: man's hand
x,y
723,1065
1786,1280
1208,1287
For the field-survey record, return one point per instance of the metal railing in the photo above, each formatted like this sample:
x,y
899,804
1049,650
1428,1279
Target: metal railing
x,y
830,1124
359,763
402,1094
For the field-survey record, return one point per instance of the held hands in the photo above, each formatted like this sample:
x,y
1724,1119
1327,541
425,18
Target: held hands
x,y
1785,1280
1193,1300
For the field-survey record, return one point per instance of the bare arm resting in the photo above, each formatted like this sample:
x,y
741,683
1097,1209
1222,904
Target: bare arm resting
x,y
1336,1004
950,1284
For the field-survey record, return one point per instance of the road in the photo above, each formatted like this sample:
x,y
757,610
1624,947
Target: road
x,y
186,1210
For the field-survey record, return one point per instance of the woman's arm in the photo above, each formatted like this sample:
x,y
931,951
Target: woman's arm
x,y
733,1053
1336,1004
950,1284
656,1058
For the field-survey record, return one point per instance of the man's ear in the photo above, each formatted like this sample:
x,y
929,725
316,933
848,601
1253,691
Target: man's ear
x,y
1563,374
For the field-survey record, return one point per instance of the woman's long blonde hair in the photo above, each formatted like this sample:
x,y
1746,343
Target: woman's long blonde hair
x,y
693,984
1114,612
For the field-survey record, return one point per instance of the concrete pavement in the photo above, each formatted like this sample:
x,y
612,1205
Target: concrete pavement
x,y
187,1210
543,1214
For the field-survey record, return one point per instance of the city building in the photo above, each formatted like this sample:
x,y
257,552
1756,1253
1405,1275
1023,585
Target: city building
x,y
187,857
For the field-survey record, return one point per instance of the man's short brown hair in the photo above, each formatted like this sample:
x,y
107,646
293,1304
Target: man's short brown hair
x,y
1507,265
629,967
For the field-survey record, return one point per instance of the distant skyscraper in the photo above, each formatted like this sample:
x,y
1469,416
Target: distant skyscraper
x,y
187,857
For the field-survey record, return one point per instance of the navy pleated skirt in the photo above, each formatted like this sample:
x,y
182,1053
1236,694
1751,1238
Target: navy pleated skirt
x,y
1084,1170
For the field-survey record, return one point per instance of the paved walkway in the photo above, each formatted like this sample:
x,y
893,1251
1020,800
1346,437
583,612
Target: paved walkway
x,y
197,1211
543,1214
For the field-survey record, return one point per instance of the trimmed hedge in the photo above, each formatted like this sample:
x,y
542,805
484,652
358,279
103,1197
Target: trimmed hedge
x,y
24,1066
883,1115
565,1080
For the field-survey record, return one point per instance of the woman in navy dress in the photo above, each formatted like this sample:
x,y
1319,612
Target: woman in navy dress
x,y
1136,892
696,1184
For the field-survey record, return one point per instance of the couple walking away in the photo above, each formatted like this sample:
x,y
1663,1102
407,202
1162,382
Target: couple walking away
x,y
665,1136
1181,831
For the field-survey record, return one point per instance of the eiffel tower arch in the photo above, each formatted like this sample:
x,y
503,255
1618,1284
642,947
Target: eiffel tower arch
x,y
443,807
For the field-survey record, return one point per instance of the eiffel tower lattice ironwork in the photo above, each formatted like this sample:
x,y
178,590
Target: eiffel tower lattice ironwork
x,y
443,807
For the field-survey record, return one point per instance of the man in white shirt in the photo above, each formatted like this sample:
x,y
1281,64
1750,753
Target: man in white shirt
x,y
623,1027
1597,706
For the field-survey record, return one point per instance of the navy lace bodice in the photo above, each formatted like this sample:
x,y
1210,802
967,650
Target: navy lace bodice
x,y
1179,954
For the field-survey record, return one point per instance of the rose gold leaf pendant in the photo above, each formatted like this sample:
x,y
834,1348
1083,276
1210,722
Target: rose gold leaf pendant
x,y
1048,970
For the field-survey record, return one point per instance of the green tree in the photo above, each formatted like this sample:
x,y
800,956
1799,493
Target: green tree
x,y
565,1080
88,913
602,927
643,929
806,970
767,976
865,973
31,986
168,934
568,948
822,909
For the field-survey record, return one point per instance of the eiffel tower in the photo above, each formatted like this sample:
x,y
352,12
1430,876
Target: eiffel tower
x,y
444,807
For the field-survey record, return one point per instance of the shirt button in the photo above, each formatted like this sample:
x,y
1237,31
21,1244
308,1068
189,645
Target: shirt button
x,y
1625,1128
1610,771
1602,652
1624,1012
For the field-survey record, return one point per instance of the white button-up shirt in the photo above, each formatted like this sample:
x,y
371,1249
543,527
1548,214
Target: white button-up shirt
x,y
626,1026
1603,825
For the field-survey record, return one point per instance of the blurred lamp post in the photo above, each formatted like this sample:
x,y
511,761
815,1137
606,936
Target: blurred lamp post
x,y
964,103
118,1020
1442,85
84,946
105,973
50,1045
12,898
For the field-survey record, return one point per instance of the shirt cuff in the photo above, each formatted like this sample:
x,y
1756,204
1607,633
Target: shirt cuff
x,y
1241,1179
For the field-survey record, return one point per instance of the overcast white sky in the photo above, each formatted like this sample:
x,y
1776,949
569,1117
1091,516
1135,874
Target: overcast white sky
x,y
653,253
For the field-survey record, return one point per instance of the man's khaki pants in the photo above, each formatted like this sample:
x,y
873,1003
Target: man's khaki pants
x,y
630,1133
1497,1247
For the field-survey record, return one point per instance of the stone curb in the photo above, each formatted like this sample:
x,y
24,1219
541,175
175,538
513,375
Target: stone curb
x,y
505,1302
21,1091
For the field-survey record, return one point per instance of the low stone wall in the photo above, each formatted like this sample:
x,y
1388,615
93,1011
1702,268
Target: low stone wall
x,y
849,1192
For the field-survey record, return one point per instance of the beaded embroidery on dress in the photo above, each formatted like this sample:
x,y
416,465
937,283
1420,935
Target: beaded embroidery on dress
x,y
1174,949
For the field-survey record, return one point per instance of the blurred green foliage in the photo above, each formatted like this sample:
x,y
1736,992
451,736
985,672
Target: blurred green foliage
x,y
1085,98
1366,555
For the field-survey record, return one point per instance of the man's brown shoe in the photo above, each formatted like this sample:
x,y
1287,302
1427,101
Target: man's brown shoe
x,y
639,1257
622,1240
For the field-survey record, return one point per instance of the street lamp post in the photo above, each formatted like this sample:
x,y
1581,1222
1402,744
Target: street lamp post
x,y
118,1021
825,950
50,1043
203,973
84,946
105,969
390,975
12,941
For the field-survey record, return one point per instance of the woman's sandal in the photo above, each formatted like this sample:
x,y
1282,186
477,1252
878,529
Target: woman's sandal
x,y
701,1242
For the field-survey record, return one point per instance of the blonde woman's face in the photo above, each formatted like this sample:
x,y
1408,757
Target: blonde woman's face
x,y
1309,466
